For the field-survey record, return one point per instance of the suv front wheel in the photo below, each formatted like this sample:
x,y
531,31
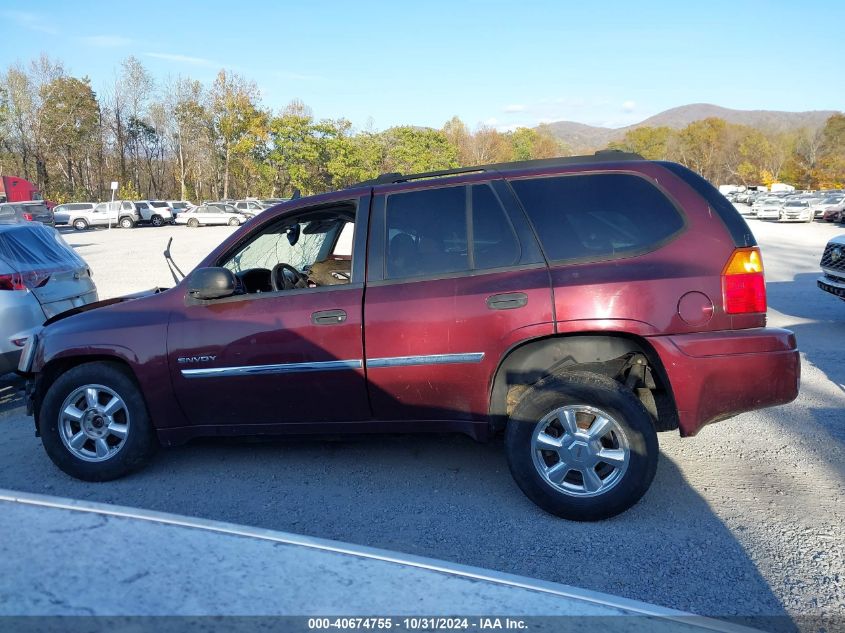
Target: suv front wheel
x,y
94,423
581,446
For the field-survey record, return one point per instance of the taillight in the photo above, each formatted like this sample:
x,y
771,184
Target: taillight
x,y
743,284
12,282
27,217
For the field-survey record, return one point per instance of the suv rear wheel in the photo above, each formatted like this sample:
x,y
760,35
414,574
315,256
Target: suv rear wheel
x,y
79,224
581,446
94,423
157,220
126,222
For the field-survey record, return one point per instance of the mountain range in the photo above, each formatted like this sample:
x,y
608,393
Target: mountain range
x,y
581,137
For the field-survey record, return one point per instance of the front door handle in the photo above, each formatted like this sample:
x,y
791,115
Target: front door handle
x,y
328,317
507,301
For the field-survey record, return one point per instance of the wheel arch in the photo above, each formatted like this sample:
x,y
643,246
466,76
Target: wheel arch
x,y
57,366
600,352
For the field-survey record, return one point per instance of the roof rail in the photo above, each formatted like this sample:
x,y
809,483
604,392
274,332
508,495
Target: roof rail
x,y
601,156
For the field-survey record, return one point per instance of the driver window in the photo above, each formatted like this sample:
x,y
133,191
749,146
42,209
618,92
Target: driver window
x,y
310,250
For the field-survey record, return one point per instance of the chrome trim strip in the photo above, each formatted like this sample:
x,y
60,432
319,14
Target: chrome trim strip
x,y
434,359
284,368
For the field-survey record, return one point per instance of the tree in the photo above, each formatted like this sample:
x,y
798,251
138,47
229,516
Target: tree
x,y
412,149
237,122
69,116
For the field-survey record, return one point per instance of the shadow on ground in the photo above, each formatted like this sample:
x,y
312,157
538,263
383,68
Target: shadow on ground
x,y
440,496
11,392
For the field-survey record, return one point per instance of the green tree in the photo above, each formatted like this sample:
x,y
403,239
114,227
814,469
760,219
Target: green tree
x,y
412,149
649,142
238,124
69,119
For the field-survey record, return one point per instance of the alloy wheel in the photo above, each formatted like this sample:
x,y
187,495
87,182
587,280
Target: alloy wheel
x,y
580,450
94,423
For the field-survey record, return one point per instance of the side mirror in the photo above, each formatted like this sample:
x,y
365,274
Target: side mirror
x,y
211,283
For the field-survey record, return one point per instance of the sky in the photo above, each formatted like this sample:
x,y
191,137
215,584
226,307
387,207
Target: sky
x,y
495,62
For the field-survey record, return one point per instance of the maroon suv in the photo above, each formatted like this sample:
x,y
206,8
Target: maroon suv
x,y
578,305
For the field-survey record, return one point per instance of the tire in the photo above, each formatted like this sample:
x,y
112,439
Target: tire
x,y
193,223
80,224
568,492
59,432
126,222
157,220
234,222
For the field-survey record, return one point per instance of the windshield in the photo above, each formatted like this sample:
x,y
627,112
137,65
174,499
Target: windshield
x,y
275,246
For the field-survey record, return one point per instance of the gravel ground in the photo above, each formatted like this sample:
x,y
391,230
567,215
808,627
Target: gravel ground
x,y
743,520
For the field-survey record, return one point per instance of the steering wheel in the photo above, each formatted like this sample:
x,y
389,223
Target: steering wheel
x,y
286,277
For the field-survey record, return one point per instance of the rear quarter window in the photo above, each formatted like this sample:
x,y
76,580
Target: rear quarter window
x,y
597,216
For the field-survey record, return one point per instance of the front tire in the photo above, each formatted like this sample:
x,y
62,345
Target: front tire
x,y
94,423
193,223
234,222
581,446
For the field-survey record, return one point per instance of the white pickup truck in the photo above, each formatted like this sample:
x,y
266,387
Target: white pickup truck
x,y
833,268
123,213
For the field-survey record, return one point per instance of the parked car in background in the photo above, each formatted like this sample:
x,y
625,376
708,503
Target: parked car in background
x,y
153,212
498,299
178,206
163,209
833,268
40,277
796,211
122,213
249,208
770,209
14,212
835,213
228,207
65,214
272,202
209,214
828,202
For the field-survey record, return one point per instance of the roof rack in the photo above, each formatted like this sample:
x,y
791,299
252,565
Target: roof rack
x,y
601,156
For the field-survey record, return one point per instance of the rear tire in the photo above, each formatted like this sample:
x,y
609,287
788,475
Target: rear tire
x,y
157,220
126,223
558,435
234,222
112,437
193,223
80,224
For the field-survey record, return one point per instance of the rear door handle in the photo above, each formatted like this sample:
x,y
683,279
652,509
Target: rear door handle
x,y
507,301
328,317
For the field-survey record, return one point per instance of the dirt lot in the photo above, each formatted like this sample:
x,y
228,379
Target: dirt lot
x,y
743,520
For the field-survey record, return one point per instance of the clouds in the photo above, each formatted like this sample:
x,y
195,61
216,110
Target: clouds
x,y
185,59
106,41
29,21
516,107
629,106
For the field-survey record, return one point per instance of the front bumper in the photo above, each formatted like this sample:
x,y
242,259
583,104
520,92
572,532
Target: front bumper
x,y
716,375
832,285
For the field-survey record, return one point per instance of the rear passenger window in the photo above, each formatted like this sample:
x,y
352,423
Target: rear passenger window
x,y
597,216
427,232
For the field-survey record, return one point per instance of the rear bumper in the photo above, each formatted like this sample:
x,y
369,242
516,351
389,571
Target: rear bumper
x,y
716,375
